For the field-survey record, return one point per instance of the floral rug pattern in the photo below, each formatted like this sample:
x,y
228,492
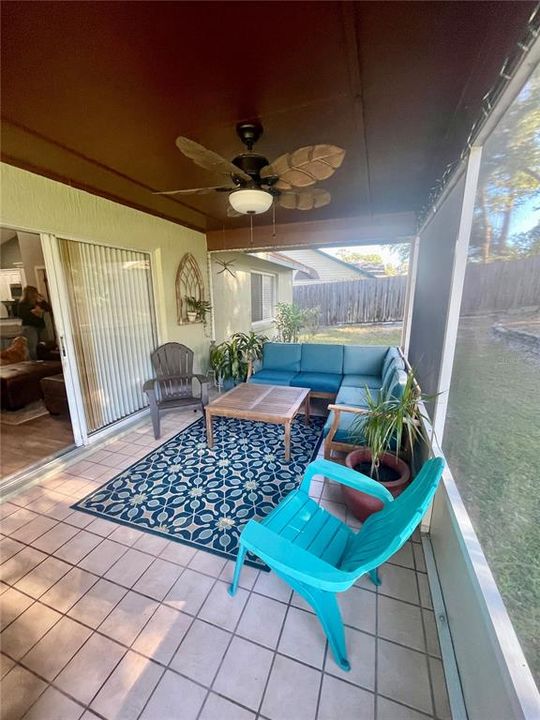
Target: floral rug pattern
x,y
185,492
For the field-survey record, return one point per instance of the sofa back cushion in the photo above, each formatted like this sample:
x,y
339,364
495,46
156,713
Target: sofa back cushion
x,y
395,383
282,356
322,358
364,359
393,360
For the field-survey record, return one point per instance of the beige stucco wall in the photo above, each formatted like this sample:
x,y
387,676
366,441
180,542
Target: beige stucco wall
x,y
232,295
34,203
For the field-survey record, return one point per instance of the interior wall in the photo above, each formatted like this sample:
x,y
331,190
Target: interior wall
x,y
432,290
38,204
10,253
232,295
31,255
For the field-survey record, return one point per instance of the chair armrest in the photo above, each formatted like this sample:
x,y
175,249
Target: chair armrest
x,y
285,557
149,385
345,476
349,408
201,378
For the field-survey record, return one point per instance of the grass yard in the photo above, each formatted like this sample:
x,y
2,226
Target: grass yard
x,y
491,442
387,334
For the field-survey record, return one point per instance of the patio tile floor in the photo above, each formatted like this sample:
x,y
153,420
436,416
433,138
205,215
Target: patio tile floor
x,y
104,621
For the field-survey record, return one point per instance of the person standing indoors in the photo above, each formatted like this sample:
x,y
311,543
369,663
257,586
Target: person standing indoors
x,y
31,309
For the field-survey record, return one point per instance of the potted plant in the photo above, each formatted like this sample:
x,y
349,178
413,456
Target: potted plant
x,y
197,309
389,431
232,358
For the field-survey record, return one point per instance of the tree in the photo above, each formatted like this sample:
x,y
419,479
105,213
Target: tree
x,y
356,258
510,174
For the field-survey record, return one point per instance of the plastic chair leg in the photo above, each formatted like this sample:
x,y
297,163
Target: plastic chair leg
x,y
237,570
374,576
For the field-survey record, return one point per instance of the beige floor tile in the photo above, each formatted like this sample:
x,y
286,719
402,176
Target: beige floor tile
x,y
358,608
201,652
8,548
398,582
32,530
401,623
126,691
353,702
303,638
440,693
20,689
17,519
102,557
129,568
80,545
419,557
222,609
53,652
425,593
218,707
79,519
248,576
189,592
125,535
17,639
89,669
128,618
178,553
158,579
18,565
42,577
389,710
12,604
270,585
69,589
244,673
262,620
102,527
52,705
402,675
292,691
432,637
162,634
151,544
5,664
164,702
98,602
361,655
60,510
404,556
55,538
207,563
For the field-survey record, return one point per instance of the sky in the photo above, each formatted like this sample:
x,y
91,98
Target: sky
x,y
388,256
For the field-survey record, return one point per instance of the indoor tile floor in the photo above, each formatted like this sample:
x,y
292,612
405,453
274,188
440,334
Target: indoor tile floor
x,y
100,620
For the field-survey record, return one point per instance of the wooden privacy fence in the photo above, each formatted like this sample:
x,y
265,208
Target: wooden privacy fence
x,y
500,286
492,287
355,301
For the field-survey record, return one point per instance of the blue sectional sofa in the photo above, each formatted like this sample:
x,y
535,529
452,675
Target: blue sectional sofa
x,y
340,373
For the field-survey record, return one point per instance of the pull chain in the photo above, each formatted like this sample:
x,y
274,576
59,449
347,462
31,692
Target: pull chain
x,y
273,219
251,228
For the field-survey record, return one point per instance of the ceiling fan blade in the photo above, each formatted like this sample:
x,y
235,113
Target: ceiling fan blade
x,y
305,166
208,159
197,191
304,199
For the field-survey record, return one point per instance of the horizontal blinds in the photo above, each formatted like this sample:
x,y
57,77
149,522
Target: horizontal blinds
x,y
113,327
256,297
267,296
262,297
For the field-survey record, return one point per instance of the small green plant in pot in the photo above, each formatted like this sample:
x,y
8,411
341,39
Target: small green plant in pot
x,y
197,310
388,433
232,358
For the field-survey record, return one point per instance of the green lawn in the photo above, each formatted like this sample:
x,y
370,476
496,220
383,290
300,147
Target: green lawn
x,y
388,334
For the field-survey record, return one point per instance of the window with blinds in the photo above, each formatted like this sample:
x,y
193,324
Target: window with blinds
x,y
113,325
262,297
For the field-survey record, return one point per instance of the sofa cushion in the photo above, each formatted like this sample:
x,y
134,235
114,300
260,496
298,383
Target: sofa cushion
x,y
364,359
343,432
355,396
318,381
272,377
319,358
395,383
361,381
392,358
282,356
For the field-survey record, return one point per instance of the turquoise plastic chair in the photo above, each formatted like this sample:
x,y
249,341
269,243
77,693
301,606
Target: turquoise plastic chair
x,y
319,556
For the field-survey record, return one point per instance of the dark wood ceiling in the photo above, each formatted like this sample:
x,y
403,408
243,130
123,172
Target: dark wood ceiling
x,y
95,93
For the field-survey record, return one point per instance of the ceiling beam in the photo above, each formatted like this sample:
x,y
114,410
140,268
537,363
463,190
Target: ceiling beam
x,y
365,230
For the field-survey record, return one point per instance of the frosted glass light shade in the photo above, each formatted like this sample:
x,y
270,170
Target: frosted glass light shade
x,y
250,202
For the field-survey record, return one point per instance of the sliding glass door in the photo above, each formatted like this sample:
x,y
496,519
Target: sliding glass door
x,y
112,323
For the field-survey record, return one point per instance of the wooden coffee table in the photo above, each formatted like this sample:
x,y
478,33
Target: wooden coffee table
x,y
265,403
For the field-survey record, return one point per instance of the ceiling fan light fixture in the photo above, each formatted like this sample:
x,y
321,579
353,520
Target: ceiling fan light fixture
x,y
250,202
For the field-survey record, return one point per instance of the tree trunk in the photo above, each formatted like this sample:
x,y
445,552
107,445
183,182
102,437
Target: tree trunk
x,y
488,229
502,241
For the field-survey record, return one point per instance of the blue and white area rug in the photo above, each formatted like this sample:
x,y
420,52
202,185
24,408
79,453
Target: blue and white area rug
x,y
185,492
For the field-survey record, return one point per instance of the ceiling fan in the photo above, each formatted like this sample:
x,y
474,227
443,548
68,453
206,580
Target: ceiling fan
x,y
254,183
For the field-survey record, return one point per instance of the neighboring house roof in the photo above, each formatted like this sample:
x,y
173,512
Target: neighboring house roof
x,y
312,265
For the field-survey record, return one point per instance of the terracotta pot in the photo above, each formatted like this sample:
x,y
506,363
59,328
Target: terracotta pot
x,y
362,505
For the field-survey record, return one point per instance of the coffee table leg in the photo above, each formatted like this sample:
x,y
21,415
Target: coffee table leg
x,y
209,432
307,410
287,441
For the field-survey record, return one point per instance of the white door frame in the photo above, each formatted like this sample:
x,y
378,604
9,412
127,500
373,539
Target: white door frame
x,y
60,304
